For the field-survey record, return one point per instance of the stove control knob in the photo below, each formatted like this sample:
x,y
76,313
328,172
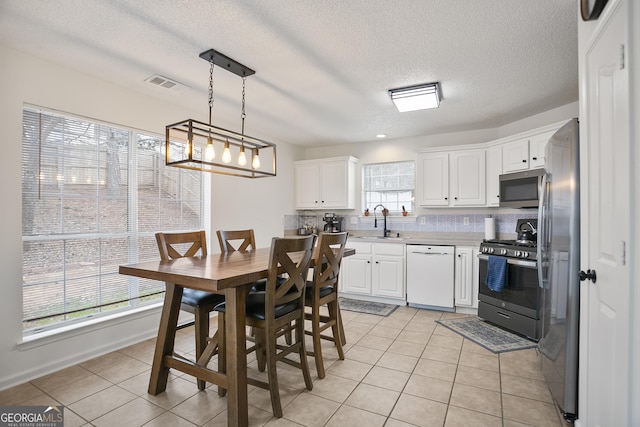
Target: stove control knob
x,y
525,254
517,253
491,250
503,252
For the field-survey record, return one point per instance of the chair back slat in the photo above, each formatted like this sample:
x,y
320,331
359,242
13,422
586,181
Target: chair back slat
x,y
183,244
236,240
289,260
327,258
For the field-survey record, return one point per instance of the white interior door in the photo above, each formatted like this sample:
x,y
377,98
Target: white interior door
x,y
606,225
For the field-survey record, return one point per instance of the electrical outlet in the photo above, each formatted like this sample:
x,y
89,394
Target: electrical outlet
x,y
423,220
353,220
466,220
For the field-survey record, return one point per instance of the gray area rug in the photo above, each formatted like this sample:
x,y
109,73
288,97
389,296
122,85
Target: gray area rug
x,y
491,337
368,307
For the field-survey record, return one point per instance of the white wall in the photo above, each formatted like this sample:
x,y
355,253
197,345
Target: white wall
x,y
237,202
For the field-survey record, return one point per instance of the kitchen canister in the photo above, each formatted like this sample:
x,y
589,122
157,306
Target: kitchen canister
x,y
490,228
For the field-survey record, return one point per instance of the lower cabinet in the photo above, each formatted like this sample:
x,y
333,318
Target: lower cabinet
x,y
375,272
466,279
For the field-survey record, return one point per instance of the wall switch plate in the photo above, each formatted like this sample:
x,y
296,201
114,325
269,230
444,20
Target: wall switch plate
x,y
353,220
466,220
423,220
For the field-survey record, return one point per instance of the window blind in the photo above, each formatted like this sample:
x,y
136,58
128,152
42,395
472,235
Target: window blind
x,y
93,196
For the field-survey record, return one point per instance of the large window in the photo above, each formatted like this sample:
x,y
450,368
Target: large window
x,y
389,184
93,196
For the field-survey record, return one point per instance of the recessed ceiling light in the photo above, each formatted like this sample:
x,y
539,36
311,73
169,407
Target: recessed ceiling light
x,y
381,135
420,97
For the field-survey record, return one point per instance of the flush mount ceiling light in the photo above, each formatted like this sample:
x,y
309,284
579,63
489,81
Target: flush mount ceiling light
x,y
190,144
413,98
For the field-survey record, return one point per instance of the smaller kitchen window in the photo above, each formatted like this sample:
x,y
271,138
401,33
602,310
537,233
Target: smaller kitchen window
x,y
390,184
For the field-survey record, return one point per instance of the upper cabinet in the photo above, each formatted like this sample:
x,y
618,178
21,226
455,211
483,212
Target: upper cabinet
x,y
515,156
468,187
537,146
325,183
494,169
455,178
527,153
433,179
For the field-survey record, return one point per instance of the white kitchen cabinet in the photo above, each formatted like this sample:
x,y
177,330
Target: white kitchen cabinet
x,y
493,169
375,272
515,156
455,178
325,183
355,270
466,279
468,178
388,270
537,145
433,179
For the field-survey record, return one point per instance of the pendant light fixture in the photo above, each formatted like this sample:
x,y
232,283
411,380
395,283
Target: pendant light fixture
x,y
190,144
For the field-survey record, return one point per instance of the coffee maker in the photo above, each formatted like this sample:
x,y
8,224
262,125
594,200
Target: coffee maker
x,y
333,223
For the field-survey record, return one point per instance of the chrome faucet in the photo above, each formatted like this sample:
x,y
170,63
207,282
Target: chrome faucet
x,y
385,232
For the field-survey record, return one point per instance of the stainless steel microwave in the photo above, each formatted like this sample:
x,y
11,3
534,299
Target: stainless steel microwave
x,y
521,189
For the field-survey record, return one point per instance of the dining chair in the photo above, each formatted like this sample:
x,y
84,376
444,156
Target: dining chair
x,y
323,290
277,311
198,303
236,240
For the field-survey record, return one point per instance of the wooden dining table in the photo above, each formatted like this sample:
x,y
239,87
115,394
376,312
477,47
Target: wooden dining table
x,y
231,274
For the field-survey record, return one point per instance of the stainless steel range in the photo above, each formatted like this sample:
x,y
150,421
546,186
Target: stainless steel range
x,y
517,306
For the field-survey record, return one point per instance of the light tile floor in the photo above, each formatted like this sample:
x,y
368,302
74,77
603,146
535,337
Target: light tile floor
x,y
400,370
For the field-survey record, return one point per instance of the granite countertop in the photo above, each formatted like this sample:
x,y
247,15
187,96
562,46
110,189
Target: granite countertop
x,y
446,239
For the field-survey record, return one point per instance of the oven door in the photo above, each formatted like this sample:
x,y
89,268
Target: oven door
x,y
522,293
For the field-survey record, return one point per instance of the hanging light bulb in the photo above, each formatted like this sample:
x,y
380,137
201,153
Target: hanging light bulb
x,y
209,152
242,158
187,146
255,161
226,153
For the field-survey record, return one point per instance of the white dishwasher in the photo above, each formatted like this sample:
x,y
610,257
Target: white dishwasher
x,y
430,277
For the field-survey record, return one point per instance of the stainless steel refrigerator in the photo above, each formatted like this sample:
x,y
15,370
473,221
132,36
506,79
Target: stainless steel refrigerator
x,y
559,266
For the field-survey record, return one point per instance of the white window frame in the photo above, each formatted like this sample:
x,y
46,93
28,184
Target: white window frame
x,y
389,190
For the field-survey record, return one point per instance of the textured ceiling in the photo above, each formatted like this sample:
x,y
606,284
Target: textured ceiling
x,y
323,67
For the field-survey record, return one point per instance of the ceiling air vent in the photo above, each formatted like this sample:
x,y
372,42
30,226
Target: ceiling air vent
x,y
165,83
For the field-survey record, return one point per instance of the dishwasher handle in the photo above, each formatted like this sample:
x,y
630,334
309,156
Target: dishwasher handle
x,y
430,253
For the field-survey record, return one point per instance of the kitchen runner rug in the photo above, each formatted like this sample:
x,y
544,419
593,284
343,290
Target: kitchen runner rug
x,y
368,307
491,337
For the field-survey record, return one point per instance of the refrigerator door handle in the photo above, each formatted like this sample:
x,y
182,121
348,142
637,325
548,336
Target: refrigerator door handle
x,y
543,229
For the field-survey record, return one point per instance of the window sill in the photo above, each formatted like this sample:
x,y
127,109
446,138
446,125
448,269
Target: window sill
x,y
49,336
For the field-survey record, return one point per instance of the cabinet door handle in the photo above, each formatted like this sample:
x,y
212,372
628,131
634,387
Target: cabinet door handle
x,y
524,161
455,198
446,198
534,158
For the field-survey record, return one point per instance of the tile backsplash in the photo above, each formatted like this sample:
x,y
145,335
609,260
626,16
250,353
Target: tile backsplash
x,y
429,223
